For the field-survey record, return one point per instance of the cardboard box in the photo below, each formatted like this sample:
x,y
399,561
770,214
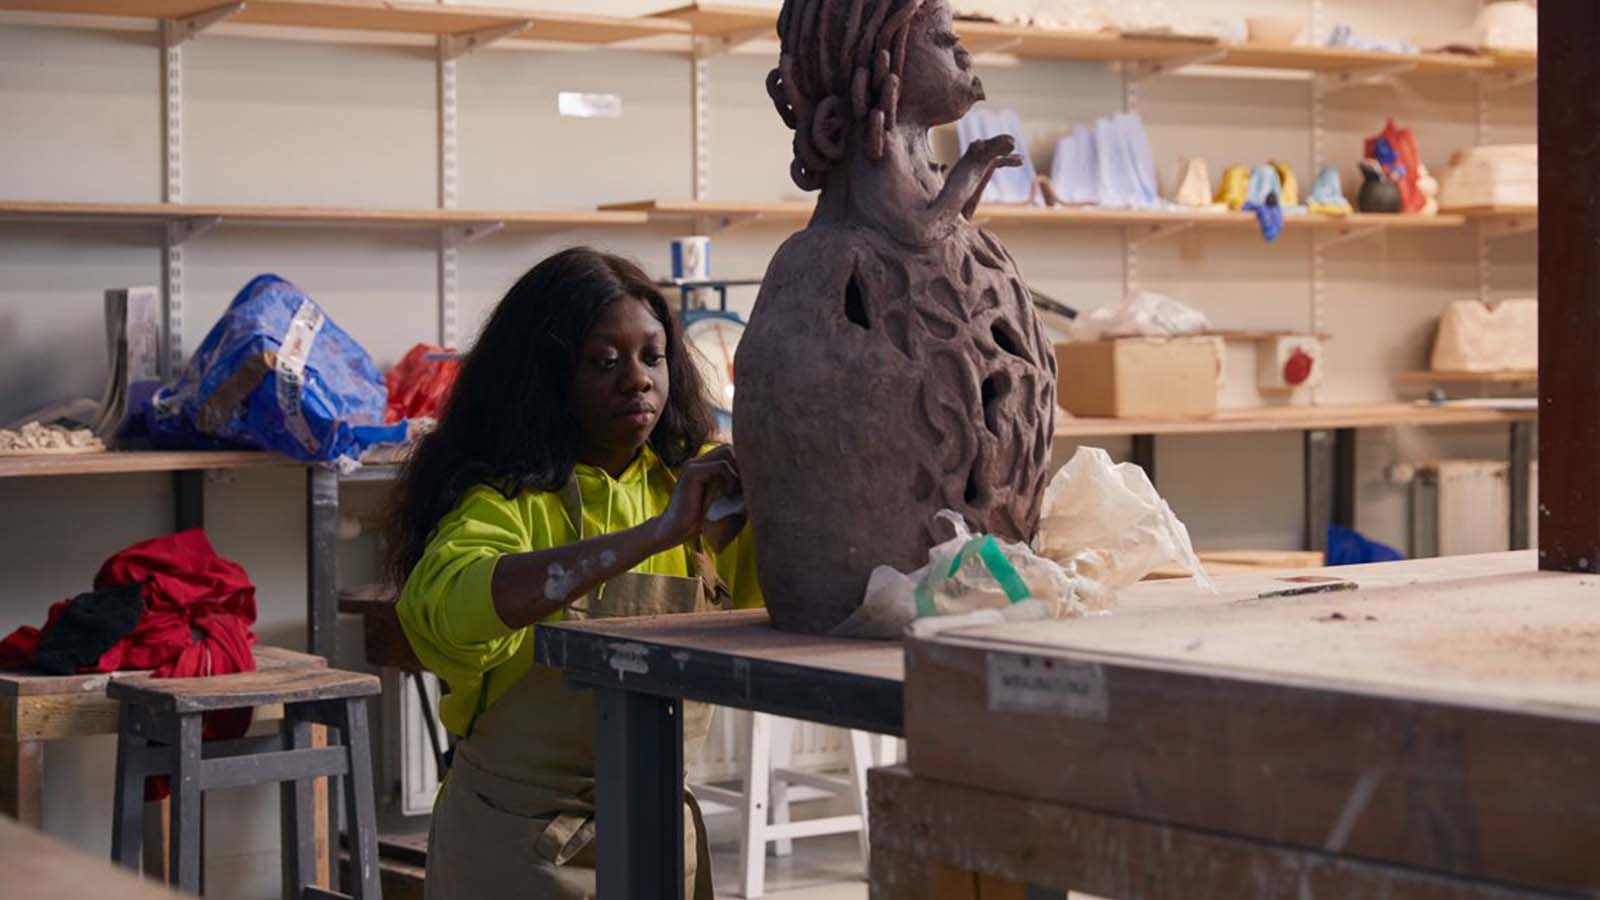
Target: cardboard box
x,y
1154,378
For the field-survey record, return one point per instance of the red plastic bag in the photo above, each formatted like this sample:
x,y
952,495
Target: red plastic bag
x,y
1407,165
420,382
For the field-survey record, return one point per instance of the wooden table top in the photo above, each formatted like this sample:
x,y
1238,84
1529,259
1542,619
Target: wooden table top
x,y
1486,630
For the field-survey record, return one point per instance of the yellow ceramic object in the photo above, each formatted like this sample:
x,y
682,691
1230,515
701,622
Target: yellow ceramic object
x,y
1290,195
1234,189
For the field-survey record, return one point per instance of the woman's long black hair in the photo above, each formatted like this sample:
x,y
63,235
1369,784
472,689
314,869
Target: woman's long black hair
x,y
508,422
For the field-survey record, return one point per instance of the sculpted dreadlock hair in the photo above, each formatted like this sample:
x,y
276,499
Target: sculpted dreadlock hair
x,y
840,64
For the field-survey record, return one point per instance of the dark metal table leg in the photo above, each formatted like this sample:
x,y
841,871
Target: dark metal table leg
x,y
1521,483
1144,454
638,775
1330,483
322,560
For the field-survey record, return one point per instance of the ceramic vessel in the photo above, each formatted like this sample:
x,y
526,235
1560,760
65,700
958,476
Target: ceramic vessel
x,y
1379,193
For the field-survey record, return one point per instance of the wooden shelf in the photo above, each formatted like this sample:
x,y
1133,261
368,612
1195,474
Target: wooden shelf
x,y
1510,376
380,16
127,462
1293,418
308,215
998,214
742,22
1494,212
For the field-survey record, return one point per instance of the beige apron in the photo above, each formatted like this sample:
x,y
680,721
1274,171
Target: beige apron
x,y
515,818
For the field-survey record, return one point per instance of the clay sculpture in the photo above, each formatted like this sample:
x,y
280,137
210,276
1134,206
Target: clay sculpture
x,y
893,365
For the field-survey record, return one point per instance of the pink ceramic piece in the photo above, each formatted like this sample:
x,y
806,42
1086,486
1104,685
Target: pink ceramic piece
x,y
893,365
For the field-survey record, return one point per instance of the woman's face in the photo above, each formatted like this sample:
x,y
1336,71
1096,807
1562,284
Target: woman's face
x,y
620,386
937,86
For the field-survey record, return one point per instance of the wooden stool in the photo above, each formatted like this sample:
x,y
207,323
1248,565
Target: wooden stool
x,y
159,734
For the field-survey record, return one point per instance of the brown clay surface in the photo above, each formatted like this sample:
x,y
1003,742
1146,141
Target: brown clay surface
x,y
893,366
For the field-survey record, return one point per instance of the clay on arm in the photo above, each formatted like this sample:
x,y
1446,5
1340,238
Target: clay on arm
x,y
970,175
529,587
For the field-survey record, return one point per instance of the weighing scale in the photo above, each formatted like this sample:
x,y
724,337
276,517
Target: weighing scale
x,y
713,338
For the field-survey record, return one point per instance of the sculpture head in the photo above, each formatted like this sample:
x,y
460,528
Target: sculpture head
x,y
856,70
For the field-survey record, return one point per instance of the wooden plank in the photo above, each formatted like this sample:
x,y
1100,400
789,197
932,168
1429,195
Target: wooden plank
x,y
721,20
1333,60
271,767
22,780
282,686
1437,716
1507,376
1484,212
1021,839
377,16
1294,418
314,215
16,684
1569,288
47,869
1011,214
734,659
130,462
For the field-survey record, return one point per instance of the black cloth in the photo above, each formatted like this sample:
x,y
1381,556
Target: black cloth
x,y
91,624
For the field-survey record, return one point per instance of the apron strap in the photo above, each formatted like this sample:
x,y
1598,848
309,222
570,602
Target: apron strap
x,y
565,837
701,563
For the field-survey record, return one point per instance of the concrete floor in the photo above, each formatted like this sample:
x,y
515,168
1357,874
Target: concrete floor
x,y
821,868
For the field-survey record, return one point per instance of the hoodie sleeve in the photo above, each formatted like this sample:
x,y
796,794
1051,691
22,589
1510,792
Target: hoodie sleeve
x,y
447,608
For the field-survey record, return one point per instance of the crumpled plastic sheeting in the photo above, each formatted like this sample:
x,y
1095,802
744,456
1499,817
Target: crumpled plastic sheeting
x,y
1103,528
1107,164
1106,524
1140,314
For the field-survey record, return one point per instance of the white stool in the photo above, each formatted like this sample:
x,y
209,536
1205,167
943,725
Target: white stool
x,y
764,802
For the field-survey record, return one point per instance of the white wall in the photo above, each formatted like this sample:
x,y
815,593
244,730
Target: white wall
x,y
277,121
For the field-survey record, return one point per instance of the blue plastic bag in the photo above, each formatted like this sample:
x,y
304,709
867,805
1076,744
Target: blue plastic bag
x,y
1348,547
275,373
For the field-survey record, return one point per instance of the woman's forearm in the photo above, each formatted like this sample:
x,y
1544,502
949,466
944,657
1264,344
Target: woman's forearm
x,y
529,587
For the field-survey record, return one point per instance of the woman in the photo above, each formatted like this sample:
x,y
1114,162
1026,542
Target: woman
x,y
567,478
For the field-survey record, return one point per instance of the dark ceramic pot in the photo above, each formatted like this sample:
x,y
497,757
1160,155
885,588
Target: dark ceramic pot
x,y
1379,193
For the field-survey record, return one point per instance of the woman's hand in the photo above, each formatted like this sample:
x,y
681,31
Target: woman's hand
x,y
700,481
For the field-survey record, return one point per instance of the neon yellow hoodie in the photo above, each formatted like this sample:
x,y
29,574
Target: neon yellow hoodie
x,y
446,608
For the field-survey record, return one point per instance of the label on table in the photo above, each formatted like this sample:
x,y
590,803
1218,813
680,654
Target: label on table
x,y
1041,684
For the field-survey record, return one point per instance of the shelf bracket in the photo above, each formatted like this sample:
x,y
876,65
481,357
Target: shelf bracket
x,y
708,46
457,236
1495,82
178,31
455,46
1346,234
1366,75
718,224
179,232
1507,226
998,45
1139,235
1139,71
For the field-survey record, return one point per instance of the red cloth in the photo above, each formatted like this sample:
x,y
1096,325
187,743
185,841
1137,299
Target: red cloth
x,y
198,613
419,386
1408,162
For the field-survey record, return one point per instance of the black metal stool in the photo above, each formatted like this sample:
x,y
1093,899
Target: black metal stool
x,y
159,734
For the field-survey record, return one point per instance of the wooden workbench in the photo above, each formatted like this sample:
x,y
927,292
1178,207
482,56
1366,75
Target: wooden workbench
x,y
642,669
1431,732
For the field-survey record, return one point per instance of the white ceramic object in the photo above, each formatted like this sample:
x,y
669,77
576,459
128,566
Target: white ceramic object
x,y
1288,362
1475,337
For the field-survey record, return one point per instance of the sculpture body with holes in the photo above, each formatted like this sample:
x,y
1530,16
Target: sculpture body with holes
x,y
893,365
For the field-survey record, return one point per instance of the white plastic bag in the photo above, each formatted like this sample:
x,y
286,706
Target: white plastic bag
x,y
968,573
1142,314
1106,525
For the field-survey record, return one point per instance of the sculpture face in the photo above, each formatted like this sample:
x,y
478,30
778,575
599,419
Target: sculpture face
x,y
937,85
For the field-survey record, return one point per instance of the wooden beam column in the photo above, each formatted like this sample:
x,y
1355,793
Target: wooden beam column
x,y
1569,285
